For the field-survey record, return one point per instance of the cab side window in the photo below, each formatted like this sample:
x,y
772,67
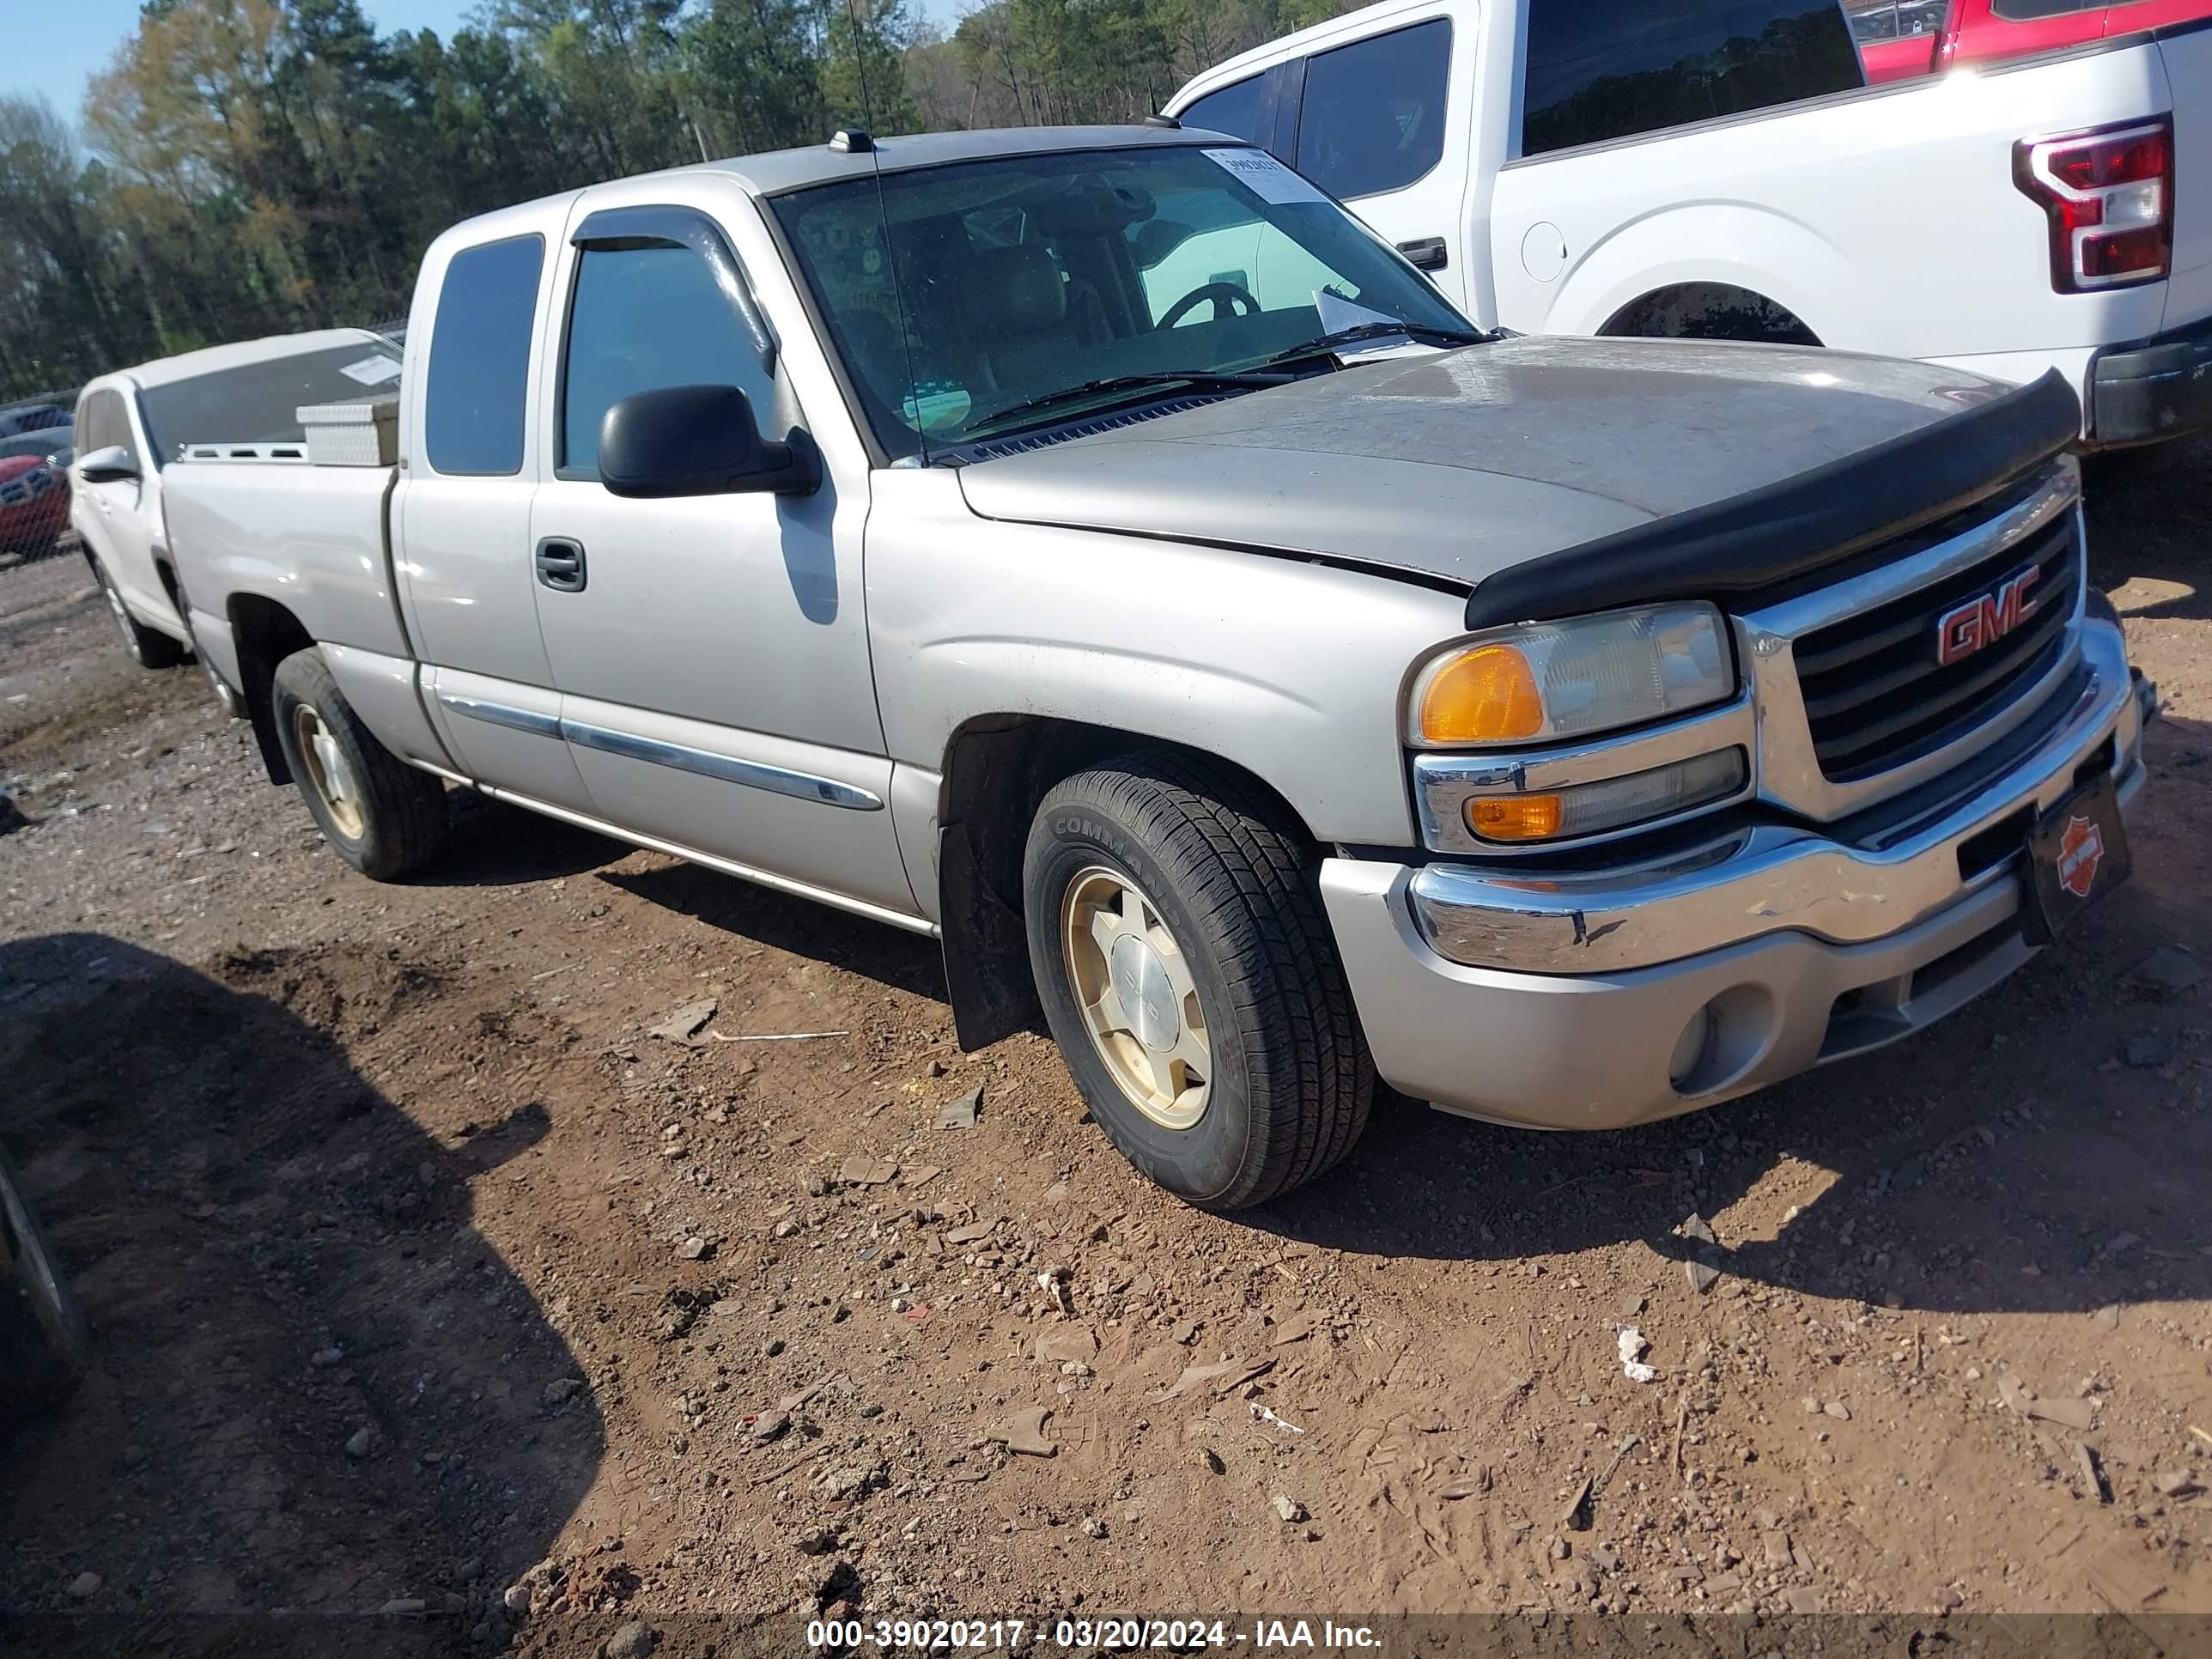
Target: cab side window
x,y
1234,110
643,317
1872,20
1373,116
479,372
1600,70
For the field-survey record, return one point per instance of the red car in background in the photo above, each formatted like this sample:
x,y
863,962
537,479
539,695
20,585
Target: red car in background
x,y
1900,39
34,491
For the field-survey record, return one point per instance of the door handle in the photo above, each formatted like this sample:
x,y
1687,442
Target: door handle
x,y
1426,253
560,564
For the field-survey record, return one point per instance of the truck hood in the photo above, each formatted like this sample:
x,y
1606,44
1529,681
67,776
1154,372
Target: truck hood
x,y
1455,466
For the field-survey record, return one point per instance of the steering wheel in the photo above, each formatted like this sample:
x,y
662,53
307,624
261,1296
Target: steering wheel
x,y
1222,294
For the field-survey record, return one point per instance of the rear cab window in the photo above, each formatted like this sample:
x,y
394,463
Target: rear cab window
x,y
477,379
1601,70
1373,116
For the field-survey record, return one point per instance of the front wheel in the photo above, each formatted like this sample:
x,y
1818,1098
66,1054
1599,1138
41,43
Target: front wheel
x,y
150,648
384,818
1189,977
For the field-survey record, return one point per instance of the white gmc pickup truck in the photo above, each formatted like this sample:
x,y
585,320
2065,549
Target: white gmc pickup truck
x,y
1278,680
1718,168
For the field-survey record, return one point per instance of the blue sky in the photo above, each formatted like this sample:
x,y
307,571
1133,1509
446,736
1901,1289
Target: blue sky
x,y
54,48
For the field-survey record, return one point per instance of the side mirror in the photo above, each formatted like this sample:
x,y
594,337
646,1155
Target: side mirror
x,y
698,441
112,464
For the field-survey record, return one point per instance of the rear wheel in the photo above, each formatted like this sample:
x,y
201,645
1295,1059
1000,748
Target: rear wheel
x,y
150,648
384,818
1190,978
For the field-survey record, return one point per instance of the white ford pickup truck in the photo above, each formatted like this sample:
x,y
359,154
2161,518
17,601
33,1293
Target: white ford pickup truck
x,y
1279,681
1719,168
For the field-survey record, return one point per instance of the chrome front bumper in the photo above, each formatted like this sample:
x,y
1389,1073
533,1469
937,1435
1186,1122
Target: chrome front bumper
x,y
1558,1001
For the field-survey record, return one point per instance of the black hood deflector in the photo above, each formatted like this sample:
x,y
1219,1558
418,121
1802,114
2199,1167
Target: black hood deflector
x,y
1762,543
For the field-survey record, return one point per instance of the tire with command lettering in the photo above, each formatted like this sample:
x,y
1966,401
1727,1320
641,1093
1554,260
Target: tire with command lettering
x,y
1189,975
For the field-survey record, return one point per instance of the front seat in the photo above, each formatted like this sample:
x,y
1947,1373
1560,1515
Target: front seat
x,y
1026,320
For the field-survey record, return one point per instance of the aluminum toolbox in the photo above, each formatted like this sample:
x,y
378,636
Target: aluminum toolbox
x,y
361,432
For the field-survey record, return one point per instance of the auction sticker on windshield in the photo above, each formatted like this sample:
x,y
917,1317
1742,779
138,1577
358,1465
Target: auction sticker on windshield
x,y
1268,179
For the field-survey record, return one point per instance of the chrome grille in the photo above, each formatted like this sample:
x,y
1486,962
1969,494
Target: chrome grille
x,y
1876,697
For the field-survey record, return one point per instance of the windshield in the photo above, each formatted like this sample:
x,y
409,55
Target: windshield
x,y
254,403
1022,278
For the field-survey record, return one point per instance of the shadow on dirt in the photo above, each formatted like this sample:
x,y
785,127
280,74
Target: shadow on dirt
x,y
761,915
2150,521
2041,1149
317,1387
495,844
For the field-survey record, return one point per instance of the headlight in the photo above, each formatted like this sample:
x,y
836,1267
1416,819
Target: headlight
x,y
1543,682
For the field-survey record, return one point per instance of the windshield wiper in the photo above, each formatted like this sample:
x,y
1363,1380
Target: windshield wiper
x,y
1195,379
1419,333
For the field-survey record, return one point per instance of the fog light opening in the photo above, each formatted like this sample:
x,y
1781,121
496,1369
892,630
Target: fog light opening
x,y
1690,1048
1723,1041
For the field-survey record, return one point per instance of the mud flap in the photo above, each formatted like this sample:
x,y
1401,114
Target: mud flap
x,y
987,950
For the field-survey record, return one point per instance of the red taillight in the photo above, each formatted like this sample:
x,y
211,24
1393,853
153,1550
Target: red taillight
x,y
2109,195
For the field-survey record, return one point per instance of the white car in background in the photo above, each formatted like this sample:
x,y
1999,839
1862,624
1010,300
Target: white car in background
x,y
131,424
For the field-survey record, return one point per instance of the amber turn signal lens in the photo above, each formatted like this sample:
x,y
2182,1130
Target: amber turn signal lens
x,y
1514,817
1488,695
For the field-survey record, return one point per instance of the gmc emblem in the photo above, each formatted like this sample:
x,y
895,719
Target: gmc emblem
x,y
1982,621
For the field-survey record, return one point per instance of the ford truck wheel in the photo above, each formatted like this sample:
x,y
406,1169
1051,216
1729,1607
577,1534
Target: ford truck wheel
x,y
1189,977
150,648
384,818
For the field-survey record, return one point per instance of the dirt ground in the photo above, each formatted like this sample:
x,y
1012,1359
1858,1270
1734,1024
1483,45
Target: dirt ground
x,y
429,1281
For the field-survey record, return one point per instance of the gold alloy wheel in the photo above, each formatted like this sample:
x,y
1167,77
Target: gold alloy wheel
x,y
1139,1003
327,771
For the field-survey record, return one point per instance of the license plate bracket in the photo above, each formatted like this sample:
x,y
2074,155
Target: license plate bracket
x,y
2076,853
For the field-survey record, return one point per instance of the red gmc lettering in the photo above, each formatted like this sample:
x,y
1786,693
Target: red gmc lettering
x,y
1967,628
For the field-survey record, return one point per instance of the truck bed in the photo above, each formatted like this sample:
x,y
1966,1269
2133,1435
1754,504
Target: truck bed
x,y
310,537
